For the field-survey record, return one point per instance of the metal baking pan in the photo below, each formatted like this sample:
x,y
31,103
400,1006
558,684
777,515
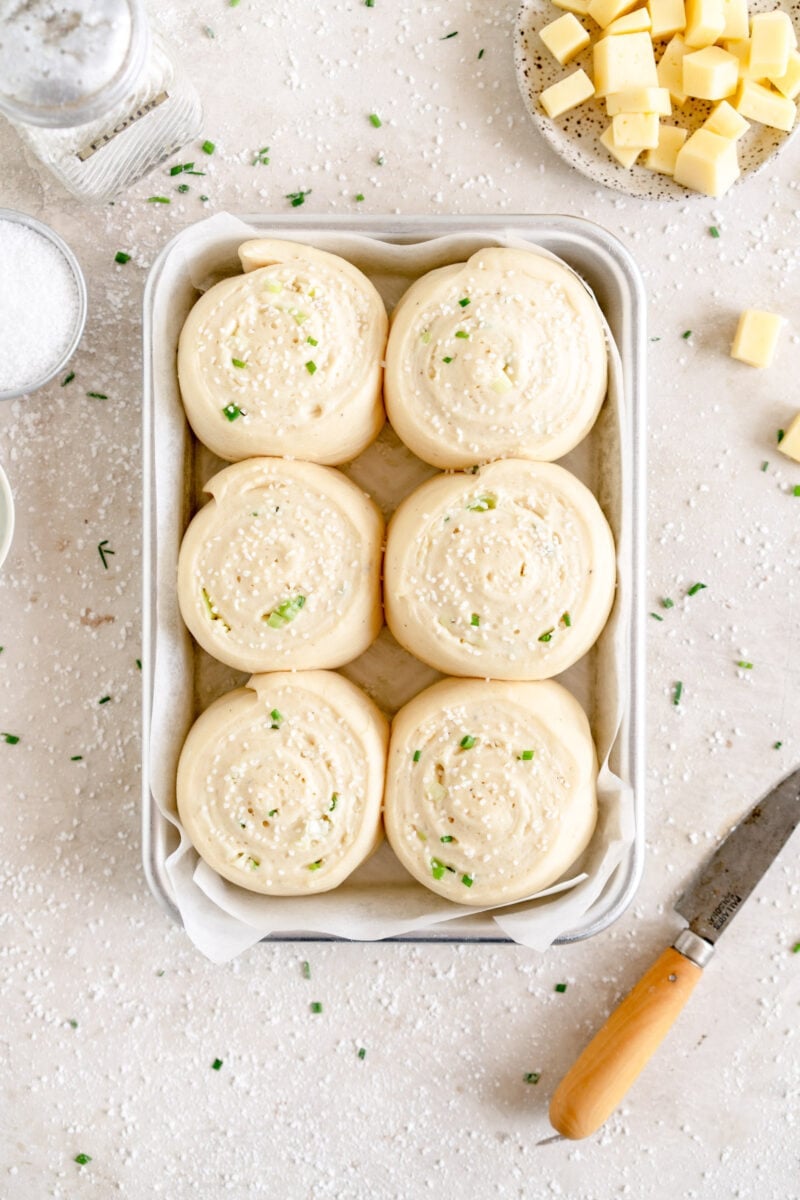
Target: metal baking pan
x,y
613,277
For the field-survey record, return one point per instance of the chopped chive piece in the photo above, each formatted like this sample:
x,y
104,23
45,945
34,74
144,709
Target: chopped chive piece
x,y
745,666
796,490
526,755
76,758
547,636
306,970
449,35
103,549
667,603
97,395
695,588
777,745
297,198
10,739
362,1053
316,1006
375,121
448,837
461,333
73,1024
233,3
447,360
417,755
183,188
369,3
566,619
796,948
714,231
677,692
217,1063
467,741
138,662
286,611
311,366
273,812
68,379
531,1077
359,197
208,31
158,200
315,866
122,257
261,158
253,864
204,198
482,503
239,362
334,801
480,54
420,834
104,700
438,868
232,411
781,435
475,619
277,718
467,880
380,159
464,301
656,616
561,987
764,465
687,334
312,341
176,170
82,1159
208,147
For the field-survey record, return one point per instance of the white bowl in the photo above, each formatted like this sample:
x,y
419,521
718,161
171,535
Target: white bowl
x,y
6,516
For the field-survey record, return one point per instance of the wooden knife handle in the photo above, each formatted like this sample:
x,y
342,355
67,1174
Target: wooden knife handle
x,y
613,1060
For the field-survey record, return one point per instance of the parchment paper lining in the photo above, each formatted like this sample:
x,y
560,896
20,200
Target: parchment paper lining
x,y
380,899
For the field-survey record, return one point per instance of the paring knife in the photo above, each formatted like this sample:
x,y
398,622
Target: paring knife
x,y
598,1080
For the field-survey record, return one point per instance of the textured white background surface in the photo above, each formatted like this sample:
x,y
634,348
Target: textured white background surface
x,y
438,1105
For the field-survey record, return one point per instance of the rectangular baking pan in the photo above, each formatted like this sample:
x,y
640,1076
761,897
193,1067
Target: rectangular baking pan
x,y
614,278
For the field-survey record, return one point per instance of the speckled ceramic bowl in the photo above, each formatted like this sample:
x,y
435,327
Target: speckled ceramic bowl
x,y
575,135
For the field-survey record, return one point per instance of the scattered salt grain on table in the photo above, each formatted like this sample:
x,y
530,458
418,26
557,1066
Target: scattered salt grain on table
x,y
39,306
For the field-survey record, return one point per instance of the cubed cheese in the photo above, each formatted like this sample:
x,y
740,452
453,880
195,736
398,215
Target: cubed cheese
x,y
790,442
627,156
606,11
581,7
565,37
662,158
741,49
710,73
761,104
666,17
639,100
705,21
737,20
624,61
637,21
726,121
756,337
670,70
772,40
632,130
789,84
566,94
707,163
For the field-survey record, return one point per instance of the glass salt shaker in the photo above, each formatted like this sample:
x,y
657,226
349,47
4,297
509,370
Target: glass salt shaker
x,y
99,97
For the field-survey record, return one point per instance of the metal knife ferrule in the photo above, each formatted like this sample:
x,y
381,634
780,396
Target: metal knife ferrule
x,y
693,947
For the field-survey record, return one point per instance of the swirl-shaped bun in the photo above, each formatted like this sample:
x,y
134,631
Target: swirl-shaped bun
x,y
280,782
281,569
285,359
503,356
490,788
507,573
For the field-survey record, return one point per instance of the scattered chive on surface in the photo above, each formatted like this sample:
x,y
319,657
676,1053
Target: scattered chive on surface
x,y
316,1006
97,395
208,147
183,188
208,31
82,1159
447,36
531,1077
311,366
232,411
104,550
104,700
686,334
158,200
239,362
73,1024
745,666
359,197
122,257
796,948
526,755
334,801
695,588
547,636
667,603
714,231
464,301
297,198
467,880
216,1064
796,490
375,121
10,739
781,434
567,619
362,1053
462,333
447,360
76,758
561,987
777,745
138,662
677,692
312,341
68,378
306,970
315,866
417,755
656,616
480,54
475,619
447,837
467,741
273,812
764,465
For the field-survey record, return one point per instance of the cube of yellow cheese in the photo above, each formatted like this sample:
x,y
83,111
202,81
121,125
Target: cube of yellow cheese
x,y
710,73
632,130
663,157
790,442
581,7
637,21
756,337
772,40
566,94
670,70
626,155
624,61
789,84
666,17
707,163
761,104
639,100
726,121
565,37
737,19
705,21
606,11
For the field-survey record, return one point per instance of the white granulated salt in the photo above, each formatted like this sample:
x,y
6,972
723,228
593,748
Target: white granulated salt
x,y
39,306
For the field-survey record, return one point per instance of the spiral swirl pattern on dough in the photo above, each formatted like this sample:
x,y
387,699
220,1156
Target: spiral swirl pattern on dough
x,y
491,788
280,782
281,569
285,359
503,356
508,572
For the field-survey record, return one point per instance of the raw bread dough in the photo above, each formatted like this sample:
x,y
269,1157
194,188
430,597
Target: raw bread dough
x,y
490,788
506,573
281,569
287,358
503,356
280,782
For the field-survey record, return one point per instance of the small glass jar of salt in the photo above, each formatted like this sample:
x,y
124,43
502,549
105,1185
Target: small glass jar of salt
x,y
98,96
42,304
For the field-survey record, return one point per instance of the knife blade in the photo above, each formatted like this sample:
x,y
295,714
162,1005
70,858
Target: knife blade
x,y
613,1060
